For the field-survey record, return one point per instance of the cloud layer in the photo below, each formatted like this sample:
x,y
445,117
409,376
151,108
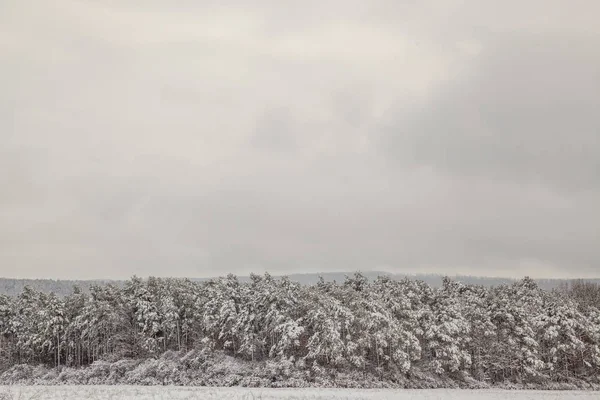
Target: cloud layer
x,y
184,140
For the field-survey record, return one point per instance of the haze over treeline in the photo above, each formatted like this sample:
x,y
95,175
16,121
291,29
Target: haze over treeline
x,y
63,287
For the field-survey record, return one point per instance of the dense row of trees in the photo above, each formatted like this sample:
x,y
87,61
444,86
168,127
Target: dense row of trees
x,y
515,332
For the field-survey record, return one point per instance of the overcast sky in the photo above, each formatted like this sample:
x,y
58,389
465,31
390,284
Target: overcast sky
x,y
188,138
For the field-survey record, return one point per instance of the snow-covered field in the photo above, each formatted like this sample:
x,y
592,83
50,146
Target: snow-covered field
x,y
207,393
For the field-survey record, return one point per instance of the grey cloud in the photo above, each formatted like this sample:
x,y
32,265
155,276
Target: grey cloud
x,y
276,130
525,112
253,137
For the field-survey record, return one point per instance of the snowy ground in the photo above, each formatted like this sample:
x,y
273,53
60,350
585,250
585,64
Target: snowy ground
x,y
181,393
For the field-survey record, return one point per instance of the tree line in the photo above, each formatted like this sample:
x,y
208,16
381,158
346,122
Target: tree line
x,y
517,332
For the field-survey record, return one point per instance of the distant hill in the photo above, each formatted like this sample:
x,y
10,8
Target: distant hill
x,y
12,287
434,280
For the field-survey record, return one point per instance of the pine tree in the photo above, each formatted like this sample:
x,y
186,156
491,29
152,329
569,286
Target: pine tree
x,y
447,333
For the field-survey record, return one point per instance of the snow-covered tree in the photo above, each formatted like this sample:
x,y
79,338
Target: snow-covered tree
x,y
515,332
447,331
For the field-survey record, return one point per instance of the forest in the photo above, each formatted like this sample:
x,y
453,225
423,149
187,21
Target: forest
x,y
275,332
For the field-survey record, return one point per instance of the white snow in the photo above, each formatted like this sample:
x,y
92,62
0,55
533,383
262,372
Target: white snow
x,y
209,393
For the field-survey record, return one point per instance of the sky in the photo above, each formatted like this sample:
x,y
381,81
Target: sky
x,y
199,138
